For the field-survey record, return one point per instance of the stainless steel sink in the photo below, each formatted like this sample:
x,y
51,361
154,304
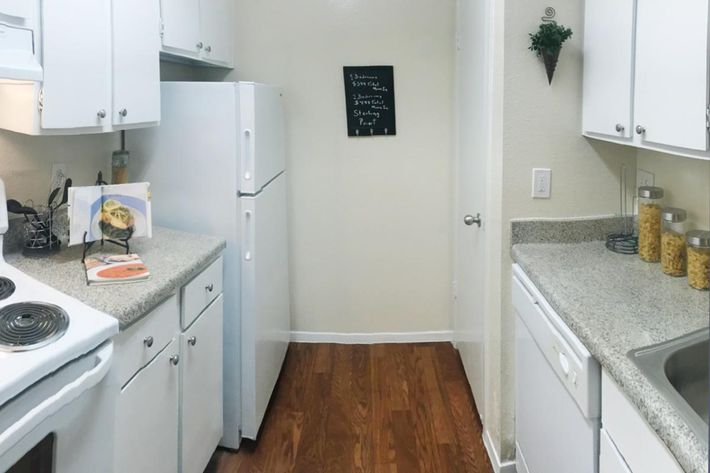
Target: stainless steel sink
x,y
679,370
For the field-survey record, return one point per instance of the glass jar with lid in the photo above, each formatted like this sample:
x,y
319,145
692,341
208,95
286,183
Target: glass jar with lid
x,y
650,204
698,259
673,252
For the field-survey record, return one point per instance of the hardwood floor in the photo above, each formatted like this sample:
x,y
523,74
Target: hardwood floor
x,y
403,408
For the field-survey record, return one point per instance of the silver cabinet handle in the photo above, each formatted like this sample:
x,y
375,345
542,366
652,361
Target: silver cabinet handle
x,y
175,359
209,287
640,130
123,112
620,128
208,49
101,113
199,45
148,341
192,341
470,220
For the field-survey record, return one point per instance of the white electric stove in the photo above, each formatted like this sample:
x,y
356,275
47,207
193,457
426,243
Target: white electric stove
x,y
55,353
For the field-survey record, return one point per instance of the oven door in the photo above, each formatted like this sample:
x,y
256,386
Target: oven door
x,y
63,423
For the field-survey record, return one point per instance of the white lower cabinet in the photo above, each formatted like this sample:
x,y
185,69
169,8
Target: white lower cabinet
x,y
201,389
169,409
632,445
147,417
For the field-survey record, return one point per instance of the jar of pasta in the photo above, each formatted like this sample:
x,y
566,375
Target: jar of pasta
x,y
673,254
698,259
650,202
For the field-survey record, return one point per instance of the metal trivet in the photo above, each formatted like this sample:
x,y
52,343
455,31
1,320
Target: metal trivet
x,y
31,325
7,288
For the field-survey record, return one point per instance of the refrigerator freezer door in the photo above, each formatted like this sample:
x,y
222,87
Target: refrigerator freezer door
x,y
266,318
262,152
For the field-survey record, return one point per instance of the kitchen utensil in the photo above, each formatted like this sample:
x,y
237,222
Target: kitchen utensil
x,y
52,196
65,195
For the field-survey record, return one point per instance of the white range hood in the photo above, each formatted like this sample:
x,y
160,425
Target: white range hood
x,y
19,59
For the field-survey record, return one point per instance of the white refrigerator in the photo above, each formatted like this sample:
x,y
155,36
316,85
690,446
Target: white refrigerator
x,y
216,165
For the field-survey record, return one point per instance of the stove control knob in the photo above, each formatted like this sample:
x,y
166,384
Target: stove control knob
x,y
175,359
148,341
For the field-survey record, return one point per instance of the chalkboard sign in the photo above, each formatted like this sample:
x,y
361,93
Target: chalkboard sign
x,y
369,100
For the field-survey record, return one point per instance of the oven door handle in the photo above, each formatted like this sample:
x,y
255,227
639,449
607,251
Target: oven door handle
x,y
53,404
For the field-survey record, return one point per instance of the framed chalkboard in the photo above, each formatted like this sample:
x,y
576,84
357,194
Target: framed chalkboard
x,y
369,100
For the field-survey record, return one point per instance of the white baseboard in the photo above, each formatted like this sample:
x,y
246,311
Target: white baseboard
x,y
370,338
498,467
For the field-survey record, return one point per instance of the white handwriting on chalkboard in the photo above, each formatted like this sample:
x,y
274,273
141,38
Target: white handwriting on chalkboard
x,y
365,80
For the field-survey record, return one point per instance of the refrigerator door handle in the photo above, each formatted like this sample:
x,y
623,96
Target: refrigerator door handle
x,y
247,235
247,155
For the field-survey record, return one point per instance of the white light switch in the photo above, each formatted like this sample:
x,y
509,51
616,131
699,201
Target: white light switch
x,y
541,183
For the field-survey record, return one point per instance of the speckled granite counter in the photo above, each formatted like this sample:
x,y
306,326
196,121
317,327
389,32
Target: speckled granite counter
x,y
172,257
617,303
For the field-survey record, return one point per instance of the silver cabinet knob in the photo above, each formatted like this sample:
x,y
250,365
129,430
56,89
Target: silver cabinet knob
x,y
640,130
192,341
620,128
199,45
470,220
175,359
101,113
209,287
208,49
123,112
148,341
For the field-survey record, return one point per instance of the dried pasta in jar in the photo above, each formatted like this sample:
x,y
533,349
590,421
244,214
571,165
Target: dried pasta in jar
x,y
698,259
673,250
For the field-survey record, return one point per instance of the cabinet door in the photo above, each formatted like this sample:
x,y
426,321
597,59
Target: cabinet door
x,y
136,62
610,460
608,67
180,26
76,50
147,418
217,26
672,72
201,400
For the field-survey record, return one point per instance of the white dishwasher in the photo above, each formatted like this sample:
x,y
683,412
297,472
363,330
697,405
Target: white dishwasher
x,y
558,389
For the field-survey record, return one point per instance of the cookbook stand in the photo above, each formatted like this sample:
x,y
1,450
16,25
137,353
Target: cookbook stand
x,y
122,242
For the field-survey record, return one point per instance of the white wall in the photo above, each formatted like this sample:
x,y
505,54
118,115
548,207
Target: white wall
x,y
26,161
370,217
686,183
540,127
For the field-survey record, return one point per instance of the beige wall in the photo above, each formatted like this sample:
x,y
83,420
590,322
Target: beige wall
x,y
541,127
26,161
370,217
686,183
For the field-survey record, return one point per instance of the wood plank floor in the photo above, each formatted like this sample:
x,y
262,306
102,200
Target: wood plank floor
x,y
402,408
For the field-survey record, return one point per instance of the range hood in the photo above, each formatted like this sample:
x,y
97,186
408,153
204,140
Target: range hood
x,y
18,54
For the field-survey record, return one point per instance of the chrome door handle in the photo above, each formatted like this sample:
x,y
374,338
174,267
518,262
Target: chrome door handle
x,y
209,287
200,45
123,112
470,220
175,359
640,130
619,128
101,113
208,49
192,341
148,341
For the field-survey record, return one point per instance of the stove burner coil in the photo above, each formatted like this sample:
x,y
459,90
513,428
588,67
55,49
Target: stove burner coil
x,y
7,288
31,325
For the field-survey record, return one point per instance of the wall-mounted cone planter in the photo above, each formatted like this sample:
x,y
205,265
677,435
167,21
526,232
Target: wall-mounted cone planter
x,y
550,60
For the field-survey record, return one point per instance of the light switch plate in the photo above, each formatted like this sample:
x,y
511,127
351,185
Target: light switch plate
x,y
644,178
541,181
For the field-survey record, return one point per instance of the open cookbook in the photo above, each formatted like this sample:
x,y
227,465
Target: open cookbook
x,y
114,269
111,212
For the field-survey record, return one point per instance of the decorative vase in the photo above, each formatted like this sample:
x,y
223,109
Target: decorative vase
x,y
550,60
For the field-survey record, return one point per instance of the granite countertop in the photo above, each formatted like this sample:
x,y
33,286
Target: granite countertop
x,y
172,257
616,303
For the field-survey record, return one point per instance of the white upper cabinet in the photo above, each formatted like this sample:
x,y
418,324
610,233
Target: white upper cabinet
x,y
76,51
642,87
217,23
136,62
180,26
198,31
608,71
672,73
